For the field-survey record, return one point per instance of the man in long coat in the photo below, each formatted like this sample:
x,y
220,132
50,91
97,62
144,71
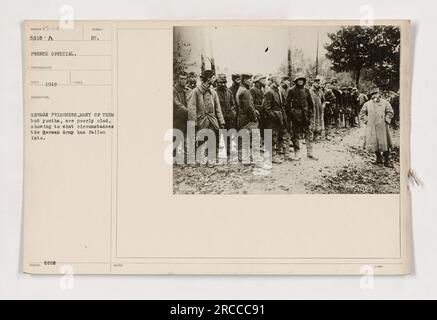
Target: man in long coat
x,y
247,114
329,112
180,97
227,102
276,120
204,105
284,87
318,99
257,92
378,114
248,118
204,109
236,80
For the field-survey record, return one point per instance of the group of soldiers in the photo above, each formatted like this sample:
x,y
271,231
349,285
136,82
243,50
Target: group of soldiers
x,y
304,108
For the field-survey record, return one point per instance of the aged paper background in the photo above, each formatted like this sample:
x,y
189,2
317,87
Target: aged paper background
x,y
104,204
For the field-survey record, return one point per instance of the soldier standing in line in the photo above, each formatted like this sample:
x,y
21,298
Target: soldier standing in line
x,y
355,107
317,95
276,120
301,106
257,92
227,102
236,80
247,115
248,119
192,80
349,107
338,112
362,99
180,110
283,88
204,107
329,113
229,111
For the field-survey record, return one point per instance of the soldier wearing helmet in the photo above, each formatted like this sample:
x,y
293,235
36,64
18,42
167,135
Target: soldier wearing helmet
x,y
300,106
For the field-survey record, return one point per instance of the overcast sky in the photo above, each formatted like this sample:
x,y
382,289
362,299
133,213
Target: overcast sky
x,y
243,49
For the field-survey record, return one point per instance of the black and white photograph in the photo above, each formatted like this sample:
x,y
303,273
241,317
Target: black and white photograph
x,y
311,109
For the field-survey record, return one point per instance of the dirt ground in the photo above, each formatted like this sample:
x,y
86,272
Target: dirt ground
x,y
343,167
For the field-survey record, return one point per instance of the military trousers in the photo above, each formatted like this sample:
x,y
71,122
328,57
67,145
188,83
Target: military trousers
x,y
305,130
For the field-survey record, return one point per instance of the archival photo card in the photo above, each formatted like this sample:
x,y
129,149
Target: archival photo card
x,y
216,147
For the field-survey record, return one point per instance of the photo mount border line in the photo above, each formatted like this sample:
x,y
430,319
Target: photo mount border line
x,y
172,27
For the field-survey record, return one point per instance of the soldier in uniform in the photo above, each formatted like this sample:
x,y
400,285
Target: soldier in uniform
x,y
192,80
343,106
247,115
180,110
301,106
276,120
283,88
257,92
204,108
229,110
330,114
236,80
349,107
227,102
338,112
318,99
355,106
248,118
362,99
180,96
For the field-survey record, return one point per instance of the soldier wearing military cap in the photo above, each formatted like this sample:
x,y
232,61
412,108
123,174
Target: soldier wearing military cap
x,y
257,92
204,109
347,106
192,80
236,80
318,98
247,114
277,121
301,109
330,112
180,97
248,118
284,86
204,106
355,106
227,102
378,114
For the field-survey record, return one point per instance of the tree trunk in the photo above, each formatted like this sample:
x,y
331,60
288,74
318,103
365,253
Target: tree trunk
x,y
357,78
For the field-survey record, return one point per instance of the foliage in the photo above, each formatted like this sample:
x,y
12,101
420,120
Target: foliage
x,y
181,54
374,48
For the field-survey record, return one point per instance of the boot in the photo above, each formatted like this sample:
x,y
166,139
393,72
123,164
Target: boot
x,y
387,162
276,159
296,155
312,157
310,151
287,156
378,158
